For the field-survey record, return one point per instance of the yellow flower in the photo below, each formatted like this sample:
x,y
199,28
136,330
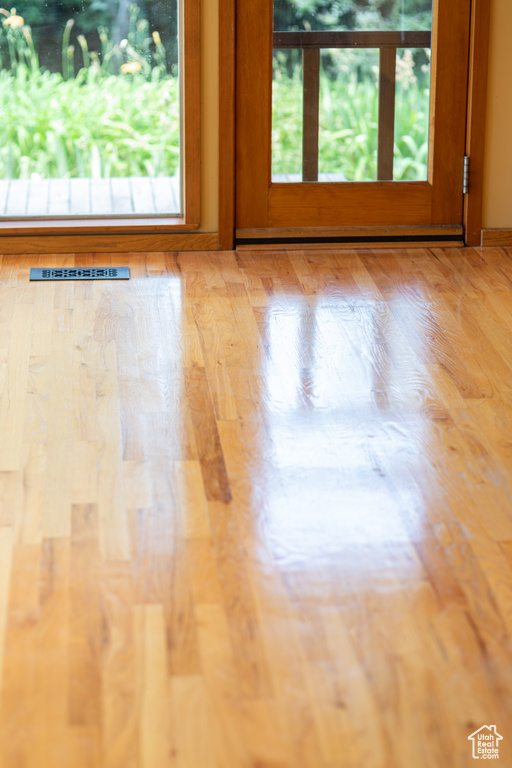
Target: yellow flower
x,y
131,67
14,21
156,38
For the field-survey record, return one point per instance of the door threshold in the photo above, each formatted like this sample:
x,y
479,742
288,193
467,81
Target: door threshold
x,y
351,237
347,240
364,243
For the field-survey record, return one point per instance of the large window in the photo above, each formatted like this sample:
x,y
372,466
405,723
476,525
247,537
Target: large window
x,y
92,100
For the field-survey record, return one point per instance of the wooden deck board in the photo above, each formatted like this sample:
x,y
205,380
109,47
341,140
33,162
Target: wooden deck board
x,y
4,192
86,197
121,196
101,196
80,200
58,197
164,194
37,197
142,194
17,198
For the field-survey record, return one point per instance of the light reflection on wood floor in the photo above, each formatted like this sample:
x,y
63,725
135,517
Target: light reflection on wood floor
x,y
255,510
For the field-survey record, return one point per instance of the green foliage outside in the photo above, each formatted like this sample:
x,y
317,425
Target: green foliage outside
x,y
106,103
87,121
88,127
352,14
94,18
349,118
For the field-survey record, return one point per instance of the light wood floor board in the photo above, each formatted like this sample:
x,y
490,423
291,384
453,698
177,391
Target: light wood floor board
x,y
256,510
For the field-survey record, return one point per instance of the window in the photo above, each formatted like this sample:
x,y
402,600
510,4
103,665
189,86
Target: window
x,y
100,114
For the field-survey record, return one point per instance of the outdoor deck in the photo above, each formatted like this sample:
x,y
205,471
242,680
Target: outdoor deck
x,y
89,197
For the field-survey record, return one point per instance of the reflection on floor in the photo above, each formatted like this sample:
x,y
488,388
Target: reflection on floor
x,y
255,510
89,197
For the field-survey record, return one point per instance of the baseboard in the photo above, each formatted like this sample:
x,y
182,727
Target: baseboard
x,y
497,237
111,243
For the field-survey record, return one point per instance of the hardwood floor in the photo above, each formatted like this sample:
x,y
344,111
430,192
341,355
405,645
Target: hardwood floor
x,y
255,510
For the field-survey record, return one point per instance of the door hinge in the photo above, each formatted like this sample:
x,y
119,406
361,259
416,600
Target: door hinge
x,y
465,182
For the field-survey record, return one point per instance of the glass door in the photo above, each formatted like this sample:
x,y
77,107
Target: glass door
x,y
355,116
351,92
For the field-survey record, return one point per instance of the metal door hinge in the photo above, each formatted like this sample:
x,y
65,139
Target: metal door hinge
x,y
465,182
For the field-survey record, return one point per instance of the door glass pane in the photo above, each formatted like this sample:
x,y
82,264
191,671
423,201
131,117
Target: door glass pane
x,y
89,99
351,90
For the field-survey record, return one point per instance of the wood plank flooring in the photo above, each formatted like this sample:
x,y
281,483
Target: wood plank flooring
x,y
89,197
256,510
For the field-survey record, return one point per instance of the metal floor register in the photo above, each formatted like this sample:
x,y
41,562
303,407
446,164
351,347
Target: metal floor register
x,y
89,273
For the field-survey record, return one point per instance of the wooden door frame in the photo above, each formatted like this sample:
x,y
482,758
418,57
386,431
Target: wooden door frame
x,y
227,87
475,133
475,136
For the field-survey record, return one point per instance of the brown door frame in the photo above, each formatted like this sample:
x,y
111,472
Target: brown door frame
x,y
475,133
227,86
475,138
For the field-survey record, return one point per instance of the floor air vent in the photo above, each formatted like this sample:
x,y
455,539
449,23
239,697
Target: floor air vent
x,y
89,273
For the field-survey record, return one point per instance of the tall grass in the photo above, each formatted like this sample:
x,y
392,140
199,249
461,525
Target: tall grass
x,y
113,126
349,104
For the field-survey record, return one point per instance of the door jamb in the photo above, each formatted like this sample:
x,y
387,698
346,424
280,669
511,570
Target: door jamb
x,y
476,119
227,82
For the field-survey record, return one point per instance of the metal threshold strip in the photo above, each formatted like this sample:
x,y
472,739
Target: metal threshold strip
x,y
80,273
